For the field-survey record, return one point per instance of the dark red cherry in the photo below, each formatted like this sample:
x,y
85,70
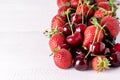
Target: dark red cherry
x,y
92,2
90,13
97,48
67,30
65,46
80,28
76,18
75,39
116,47
115,59
106,51
80,62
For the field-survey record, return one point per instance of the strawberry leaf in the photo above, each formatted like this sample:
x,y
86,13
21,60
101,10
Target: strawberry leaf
x,y
95,22
110,2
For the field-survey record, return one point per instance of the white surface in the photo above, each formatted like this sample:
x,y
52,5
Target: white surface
x,y
24,51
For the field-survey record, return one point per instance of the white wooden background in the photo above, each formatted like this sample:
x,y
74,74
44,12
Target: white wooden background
x,y
24,51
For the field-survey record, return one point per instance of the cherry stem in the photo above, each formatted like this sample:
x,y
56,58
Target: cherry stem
x,y
70,24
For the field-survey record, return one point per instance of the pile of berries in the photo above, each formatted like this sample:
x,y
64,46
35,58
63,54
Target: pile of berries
x,y
83,35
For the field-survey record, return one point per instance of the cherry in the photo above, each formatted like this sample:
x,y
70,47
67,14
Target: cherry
x,y
106,51
74,39
116,47
66,29
65,46
80,62
92,2
90,13
97,48
76,18
80,28
115,59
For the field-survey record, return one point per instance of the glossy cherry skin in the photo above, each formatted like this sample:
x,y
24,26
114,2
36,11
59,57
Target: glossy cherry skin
x,y
80,28
65,46
116,47
76,18
80,63
92,2
115,59
66,30
75,39
97,48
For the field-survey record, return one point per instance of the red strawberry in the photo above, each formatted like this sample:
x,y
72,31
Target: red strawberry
x,y
100,63
56,40
105,6
99,14
62,10
74,3
61,3
63,59
58,21
85,9
98,1
112,25
90,33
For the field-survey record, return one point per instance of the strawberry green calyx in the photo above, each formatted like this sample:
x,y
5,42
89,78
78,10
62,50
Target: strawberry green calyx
x,y
102,64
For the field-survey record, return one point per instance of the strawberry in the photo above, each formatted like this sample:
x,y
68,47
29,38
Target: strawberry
x,y
61,3
99,14
100,63
74,3
62,10
89,35
63,59
55,41
105,6
81,8
98,1
85,9
58,21
112,25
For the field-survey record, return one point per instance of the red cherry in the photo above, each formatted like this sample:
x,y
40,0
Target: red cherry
x,y
80,28
74,39
116,47
76,18
66,29
97,48
80,63
115,59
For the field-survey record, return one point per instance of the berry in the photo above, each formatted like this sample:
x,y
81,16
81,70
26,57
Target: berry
x,y
58,21
80,62
63,59
112,25
98,1
62,10
99,14
74,3
115,59
66,29
92,2
97,48
89,35
55,41
80,28
116,47
76,18
105,6
65,46
81,8
100,63
75,39
61,3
